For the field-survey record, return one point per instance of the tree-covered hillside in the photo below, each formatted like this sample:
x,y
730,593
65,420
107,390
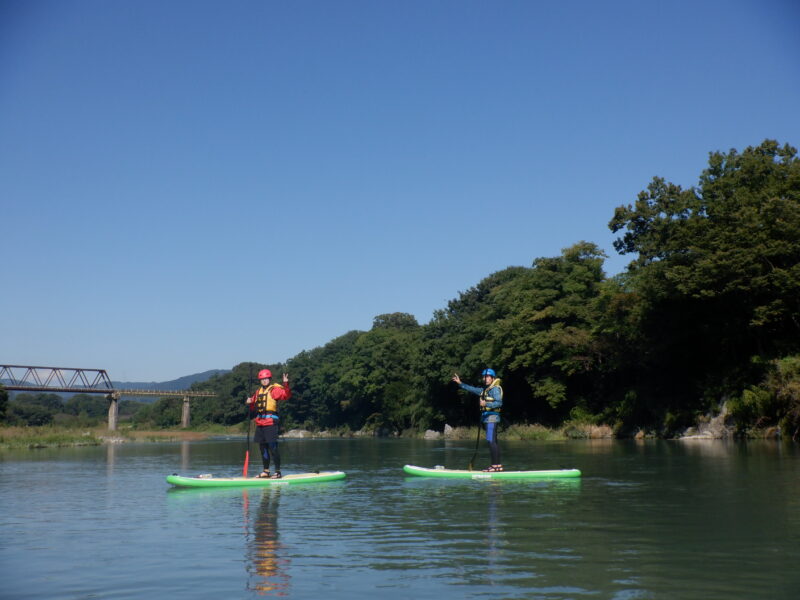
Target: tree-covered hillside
x,y
708,312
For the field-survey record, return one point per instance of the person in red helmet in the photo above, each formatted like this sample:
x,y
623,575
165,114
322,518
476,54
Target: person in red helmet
x,y
264,405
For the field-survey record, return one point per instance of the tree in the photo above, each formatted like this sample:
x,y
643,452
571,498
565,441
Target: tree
x,y
398,320
534,326
88,405
717,269
29,414
50,402
544,338
320,390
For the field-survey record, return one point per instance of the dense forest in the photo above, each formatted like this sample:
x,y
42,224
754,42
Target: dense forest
x,y
80,410
706,315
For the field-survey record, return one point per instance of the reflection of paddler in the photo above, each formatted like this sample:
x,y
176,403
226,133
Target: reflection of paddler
x,y
265,565
493,544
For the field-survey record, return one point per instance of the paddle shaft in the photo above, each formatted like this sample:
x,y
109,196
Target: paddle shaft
x,y
249,423
477,443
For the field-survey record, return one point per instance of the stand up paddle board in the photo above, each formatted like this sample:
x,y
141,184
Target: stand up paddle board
x,y
464,474
207,481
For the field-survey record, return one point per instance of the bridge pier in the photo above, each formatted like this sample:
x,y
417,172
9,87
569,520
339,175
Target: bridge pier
x,y
113,411
185,413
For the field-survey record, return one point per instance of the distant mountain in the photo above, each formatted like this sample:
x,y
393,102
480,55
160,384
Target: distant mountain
x,y
182,383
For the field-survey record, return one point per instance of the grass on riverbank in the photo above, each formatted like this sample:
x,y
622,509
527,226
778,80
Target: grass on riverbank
x,y
53,436
46,437
50,436
536,432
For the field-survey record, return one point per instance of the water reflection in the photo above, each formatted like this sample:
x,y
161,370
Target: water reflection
x,y
266,564
185,455
493,540
111,458
650,519
502,538
266,568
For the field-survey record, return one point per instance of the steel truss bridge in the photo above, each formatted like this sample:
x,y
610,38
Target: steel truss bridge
x,y
85,381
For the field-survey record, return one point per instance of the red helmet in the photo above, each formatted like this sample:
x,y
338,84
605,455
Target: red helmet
x,y
264,374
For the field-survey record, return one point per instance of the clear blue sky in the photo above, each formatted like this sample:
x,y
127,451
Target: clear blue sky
x,y
187,185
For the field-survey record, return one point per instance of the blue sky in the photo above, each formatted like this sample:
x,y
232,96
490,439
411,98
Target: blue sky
x,y
187,185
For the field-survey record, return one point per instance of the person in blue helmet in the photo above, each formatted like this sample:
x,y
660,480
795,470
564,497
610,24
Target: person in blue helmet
x,y
491,402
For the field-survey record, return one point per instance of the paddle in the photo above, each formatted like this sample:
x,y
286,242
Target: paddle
x,y
477,443
457,379
249,423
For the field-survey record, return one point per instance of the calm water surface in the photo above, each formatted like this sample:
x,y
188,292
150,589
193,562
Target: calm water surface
x,y
706,520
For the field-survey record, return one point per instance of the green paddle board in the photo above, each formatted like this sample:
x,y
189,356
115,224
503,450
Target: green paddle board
x,y
464,474
209,481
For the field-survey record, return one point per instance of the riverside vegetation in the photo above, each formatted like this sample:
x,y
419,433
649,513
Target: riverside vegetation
x,y
704,321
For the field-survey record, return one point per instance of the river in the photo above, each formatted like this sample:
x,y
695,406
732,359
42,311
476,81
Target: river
x,y
648,519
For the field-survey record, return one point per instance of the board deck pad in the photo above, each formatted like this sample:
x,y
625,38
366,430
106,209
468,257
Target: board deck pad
x,y
207,481
439,471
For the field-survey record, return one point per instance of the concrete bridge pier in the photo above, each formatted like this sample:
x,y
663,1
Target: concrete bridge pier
x,y
113,411
185,413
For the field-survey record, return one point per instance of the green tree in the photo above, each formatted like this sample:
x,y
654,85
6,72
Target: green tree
x,y
534,326
396,321
385,377
545,339
50,402
166,412
89,405
320,391
128,408
624,367
33,415
717,269
3,403
457,340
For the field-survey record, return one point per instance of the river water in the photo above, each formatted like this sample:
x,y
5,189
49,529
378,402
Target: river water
x,y
650,519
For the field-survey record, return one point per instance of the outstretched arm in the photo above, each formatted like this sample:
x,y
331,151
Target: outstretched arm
x,y
283,393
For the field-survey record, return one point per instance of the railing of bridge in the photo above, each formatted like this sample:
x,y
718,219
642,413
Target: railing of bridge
x,y
52,378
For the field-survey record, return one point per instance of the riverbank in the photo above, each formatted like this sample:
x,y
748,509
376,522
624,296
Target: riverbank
x,y
513,432
50,436
53,436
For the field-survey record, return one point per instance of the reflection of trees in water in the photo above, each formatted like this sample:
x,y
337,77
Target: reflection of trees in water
x,y
266,569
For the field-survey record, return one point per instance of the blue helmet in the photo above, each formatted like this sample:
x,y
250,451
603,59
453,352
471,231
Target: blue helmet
x,y
489,372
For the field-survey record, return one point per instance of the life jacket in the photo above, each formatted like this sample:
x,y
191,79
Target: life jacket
x,y
266,407
487,398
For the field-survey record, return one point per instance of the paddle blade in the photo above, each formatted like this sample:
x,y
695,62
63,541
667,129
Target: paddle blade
x,y
246,463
